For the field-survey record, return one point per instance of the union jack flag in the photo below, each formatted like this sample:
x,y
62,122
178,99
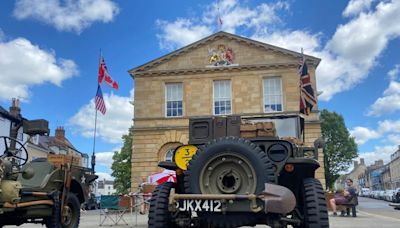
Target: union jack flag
x,y
99,101
104,76
307,98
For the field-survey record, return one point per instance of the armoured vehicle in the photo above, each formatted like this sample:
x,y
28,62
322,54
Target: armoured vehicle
x,y
239,171
46,190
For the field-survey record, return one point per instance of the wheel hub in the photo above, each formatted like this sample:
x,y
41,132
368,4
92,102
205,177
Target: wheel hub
x,y
67,215
228,174
229,181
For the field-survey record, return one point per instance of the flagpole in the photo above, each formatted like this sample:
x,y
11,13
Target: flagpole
x,y
299,72
93,162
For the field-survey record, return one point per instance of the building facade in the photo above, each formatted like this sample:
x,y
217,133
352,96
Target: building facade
x,y
394,167
222,74
358,169
104,187
386,178
373,175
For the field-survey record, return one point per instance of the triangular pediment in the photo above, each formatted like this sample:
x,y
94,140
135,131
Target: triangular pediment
x,y
222,50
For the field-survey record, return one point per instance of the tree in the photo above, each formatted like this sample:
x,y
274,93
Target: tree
x,y
339,149
121,166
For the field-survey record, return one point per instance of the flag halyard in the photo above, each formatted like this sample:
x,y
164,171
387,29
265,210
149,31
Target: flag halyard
x,y
307,98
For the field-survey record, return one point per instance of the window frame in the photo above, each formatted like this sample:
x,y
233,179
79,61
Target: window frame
x,y
166,99
264,94
170,150
230,97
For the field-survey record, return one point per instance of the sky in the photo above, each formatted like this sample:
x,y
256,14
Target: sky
x,y
49,57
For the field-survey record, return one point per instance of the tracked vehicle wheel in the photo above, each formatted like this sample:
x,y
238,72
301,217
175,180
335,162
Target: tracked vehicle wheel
x,y
159,216
228,166
314,206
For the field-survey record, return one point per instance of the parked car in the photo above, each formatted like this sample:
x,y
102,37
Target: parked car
x,y
397,195
373,194
381,195
365,192
389,195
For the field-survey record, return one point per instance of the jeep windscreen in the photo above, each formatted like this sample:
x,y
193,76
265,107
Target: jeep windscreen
x,y
285,127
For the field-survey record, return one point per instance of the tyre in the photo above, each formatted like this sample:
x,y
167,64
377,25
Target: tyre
x,y
314,205
229,166
54,220
159,216
72,216
73,213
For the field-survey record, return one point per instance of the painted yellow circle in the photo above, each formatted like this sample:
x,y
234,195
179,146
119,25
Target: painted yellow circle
x,y
183,155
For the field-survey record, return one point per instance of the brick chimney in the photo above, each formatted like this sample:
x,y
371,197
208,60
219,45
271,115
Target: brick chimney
x,y
60,133
362,162
355,164
15,109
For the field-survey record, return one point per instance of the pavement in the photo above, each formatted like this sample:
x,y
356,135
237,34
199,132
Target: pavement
x,y
370,213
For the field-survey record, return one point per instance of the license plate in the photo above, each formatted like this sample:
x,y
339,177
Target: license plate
x,y
199,205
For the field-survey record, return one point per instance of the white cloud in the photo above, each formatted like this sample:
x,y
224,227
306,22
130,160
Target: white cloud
x,y
394,73
104,176
388,103
292,40
24,64
394,139
112,125
356,6
389,126
67,15
362,134
379,152
234,15
104,159
179,33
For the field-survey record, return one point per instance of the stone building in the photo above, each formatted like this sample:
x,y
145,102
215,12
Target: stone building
x,y
222,74
394,167
358,169
373,175
386,178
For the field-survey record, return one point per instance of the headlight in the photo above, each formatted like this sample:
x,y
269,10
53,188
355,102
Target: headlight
x,y
278,152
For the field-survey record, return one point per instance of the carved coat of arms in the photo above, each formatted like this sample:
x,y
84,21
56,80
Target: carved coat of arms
x,y
221,56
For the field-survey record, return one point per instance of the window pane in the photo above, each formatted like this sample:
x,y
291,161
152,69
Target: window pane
x,y
273,94
174,99
222,97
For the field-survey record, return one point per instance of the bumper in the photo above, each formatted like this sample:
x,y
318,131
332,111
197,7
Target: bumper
x,y
274,199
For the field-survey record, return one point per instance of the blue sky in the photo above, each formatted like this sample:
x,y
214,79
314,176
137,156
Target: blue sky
x,y
49,54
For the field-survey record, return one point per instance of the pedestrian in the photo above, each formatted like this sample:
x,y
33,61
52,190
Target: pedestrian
x,y
144,205
344,198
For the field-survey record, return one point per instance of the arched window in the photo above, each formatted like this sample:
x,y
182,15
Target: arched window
x,y
169,154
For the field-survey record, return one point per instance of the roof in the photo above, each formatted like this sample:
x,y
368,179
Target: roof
x,y
46,141
217,35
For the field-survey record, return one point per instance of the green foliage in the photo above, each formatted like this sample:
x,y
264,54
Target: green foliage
x,y
121,166
339,149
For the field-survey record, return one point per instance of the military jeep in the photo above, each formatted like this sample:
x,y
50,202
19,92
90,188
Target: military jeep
x,y
46,190
242,171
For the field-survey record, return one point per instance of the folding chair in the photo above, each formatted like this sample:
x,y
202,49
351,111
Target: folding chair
x,y
113,208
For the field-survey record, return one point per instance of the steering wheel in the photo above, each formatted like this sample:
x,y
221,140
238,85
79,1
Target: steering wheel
x,y
20,154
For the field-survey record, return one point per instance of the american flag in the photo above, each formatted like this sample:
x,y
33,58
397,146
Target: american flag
x,y
99,101
307,98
